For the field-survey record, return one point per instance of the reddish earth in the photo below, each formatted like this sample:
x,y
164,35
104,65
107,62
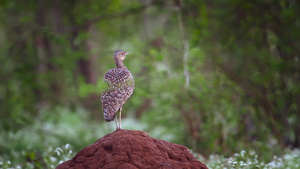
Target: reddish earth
x,y
133,149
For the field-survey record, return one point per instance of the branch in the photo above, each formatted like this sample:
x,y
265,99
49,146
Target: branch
x,y
185,47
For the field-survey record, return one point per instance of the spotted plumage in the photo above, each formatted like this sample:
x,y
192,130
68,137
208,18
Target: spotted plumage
x,y
120,86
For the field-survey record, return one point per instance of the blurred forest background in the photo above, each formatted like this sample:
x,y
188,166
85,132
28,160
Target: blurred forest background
x,y
215,76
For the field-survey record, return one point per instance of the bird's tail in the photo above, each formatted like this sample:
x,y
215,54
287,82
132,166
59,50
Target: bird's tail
x,y
108,116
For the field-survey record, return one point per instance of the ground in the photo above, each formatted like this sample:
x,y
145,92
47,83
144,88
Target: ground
x,y
133,149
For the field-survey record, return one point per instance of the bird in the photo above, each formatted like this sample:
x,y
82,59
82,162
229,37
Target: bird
x,y
119,87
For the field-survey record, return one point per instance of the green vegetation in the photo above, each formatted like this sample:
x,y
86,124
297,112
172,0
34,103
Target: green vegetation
x,y
250,160
217,76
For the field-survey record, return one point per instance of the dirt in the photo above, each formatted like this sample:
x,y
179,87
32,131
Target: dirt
x,y
133,149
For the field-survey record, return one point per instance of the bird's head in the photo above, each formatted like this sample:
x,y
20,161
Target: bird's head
x,y
120,54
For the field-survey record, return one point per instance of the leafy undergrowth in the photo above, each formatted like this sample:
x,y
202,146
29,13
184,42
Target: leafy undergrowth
x,y
290,159
51,158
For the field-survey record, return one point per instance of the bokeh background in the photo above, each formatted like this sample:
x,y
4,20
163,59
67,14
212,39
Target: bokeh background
x,y
216,76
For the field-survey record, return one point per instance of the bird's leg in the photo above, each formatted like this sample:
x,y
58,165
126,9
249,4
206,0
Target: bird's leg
x,y
120,118
116,123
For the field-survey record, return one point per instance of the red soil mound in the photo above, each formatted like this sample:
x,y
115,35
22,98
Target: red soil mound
x,y
133,149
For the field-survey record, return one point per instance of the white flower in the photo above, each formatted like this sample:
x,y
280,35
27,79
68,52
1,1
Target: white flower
x,y
58,150
243,152
67,146
53,159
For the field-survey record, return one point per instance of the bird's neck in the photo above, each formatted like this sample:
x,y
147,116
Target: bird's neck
x,y
120,64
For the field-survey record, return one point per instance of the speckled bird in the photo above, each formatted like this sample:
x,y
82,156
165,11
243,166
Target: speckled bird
x,y
120,86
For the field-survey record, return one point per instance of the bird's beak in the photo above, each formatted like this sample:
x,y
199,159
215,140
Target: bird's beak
x,y
127,53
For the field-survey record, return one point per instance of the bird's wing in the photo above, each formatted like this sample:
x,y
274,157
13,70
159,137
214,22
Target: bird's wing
x,y
120,85
112,101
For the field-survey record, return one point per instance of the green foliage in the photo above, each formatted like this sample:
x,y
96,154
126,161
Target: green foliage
x,y
50,158
86,89
50,129
251,160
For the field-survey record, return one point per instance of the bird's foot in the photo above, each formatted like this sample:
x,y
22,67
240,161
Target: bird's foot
x,y
118,129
